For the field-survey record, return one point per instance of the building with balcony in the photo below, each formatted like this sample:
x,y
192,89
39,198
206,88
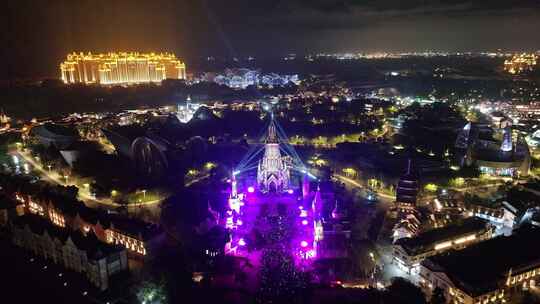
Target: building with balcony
x,y
85,254
410,252
121,68
132,234
487,272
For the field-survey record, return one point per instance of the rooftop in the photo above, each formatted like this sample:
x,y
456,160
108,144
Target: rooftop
x,y
89,243
426,240
55,130
482,267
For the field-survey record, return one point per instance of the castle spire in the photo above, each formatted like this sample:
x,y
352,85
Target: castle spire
x,y
337,213
305,186
506,145
234,191
272,134
273,169
316,205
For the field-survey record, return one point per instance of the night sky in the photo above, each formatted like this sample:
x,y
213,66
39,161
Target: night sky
x,y
41,32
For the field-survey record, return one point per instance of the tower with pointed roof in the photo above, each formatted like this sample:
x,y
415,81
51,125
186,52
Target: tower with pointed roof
x,y
407,189
273,170
506,145
317,203
305,186
338,213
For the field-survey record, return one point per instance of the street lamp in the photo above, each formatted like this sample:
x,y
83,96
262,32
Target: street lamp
x,y
144,193
66,177
49,166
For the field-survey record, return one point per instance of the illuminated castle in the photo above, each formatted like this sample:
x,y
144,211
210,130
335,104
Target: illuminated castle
x,y
273,169
121,68
185,113
476,146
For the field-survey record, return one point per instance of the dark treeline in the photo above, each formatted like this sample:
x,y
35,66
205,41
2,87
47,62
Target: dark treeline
x,y
53,98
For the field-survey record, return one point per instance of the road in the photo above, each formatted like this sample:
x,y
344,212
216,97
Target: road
x,y
84,194
354,183
196,180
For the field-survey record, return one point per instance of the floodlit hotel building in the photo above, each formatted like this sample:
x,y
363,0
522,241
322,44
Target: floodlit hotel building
x,y
121,68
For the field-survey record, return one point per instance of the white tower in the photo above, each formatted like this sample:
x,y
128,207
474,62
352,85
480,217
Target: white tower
x,y
506,145
273,170
234,190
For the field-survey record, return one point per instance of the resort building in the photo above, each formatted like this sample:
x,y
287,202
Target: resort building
x,y
133,234
121,68
84,254
410,252
487,272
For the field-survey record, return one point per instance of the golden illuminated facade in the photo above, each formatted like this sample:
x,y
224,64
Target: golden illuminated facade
x,y
132,244
520,63
121,68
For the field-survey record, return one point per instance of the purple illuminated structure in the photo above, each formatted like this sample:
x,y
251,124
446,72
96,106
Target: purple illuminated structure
x,y
273,209
273,170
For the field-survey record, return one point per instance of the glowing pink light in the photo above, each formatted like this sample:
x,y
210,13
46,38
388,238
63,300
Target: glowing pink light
x,y
303,213
251,189
239,222
300,207
304,222
241,242
304,244
290,191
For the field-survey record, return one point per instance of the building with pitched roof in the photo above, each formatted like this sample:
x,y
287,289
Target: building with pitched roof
x,y
487,272
410,252
84,254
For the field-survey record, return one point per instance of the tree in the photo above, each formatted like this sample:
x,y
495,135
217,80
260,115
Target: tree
x,y
402,291
151,293
438,296
525,298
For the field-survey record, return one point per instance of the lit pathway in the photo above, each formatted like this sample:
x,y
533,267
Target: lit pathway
x,y
196,180
83,194
356,184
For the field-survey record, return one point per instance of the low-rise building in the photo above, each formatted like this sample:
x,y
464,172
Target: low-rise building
x,y
487,272
408,225
87,255
9,208
133,234
410,252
